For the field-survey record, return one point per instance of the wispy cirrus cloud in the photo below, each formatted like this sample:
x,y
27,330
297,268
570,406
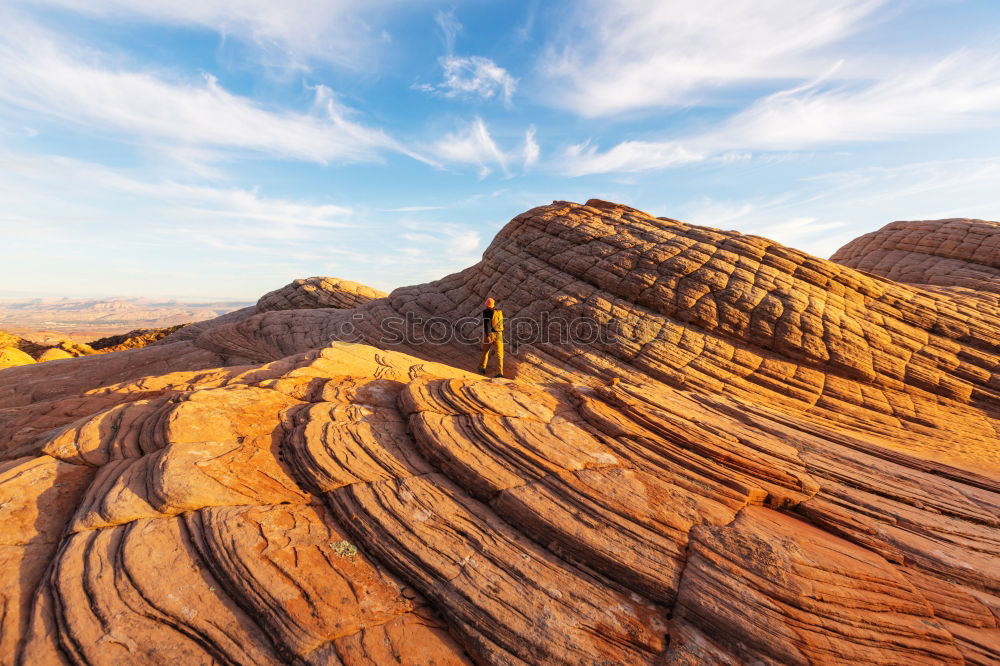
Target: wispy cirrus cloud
x,y
436,248
473,76
450,26
84,88
531,149
620,55
628,156
93,191
292,32
958,93
472,144
825,211
158,235
129,231
467,76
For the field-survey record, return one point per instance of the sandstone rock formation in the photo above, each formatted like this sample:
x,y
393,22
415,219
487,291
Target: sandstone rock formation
x,y
10,340
11,356
75,348
29,347
948,253
134,339
318,292
304,294
38,351
799,463
54,354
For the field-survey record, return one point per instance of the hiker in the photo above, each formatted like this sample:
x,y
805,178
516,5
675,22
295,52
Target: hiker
x,y
492,336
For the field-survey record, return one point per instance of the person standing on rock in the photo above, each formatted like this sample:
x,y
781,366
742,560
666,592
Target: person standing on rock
x,y
492,336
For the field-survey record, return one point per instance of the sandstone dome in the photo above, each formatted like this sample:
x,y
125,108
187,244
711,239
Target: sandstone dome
x,y
798,463
54,354
318,292
948,253
12,356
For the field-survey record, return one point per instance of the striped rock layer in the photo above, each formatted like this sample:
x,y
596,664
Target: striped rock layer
x,y
710,449
948,253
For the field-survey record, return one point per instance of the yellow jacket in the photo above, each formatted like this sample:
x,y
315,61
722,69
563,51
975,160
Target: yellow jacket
x,y
496,321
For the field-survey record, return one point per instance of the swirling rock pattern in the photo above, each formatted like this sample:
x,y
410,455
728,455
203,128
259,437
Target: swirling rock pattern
x,y
798,464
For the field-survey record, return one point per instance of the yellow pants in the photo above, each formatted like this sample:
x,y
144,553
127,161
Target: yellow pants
x,y
494,340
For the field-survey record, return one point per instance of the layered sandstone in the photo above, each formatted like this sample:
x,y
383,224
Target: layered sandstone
x,y
798,463
947,253
318,292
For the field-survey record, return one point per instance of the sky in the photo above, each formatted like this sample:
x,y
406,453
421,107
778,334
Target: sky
x,y
222,148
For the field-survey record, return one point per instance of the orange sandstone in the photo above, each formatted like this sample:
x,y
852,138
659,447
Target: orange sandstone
x,y
793,462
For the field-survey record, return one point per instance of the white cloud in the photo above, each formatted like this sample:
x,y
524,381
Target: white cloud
x,y
769,219
122,231
281,215
450,27
465,243
126,231
83,88
923,190
474,76
433,248
413,209
584,158
531,149
289,32
618,55
958,93
467,76
825,212
471,144
92,192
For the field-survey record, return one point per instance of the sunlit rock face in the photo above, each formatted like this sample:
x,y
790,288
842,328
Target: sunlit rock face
x,y
318,292
946,253
722,450
12,356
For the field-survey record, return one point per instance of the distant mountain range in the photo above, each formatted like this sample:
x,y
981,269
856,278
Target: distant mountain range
x,y
42,318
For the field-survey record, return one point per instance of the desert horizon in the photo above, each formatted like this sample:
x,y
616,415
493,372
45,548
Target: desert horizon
x,y
48,318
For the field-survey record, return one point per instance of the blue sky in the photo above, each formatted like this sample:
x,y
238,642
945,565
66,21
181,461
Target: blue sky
x,y
222,148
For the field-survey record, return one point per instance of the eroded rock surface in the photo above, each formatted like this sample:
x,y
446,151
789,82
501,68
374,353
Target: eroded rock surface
x,y
799,463
947,253
318,292
134,339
